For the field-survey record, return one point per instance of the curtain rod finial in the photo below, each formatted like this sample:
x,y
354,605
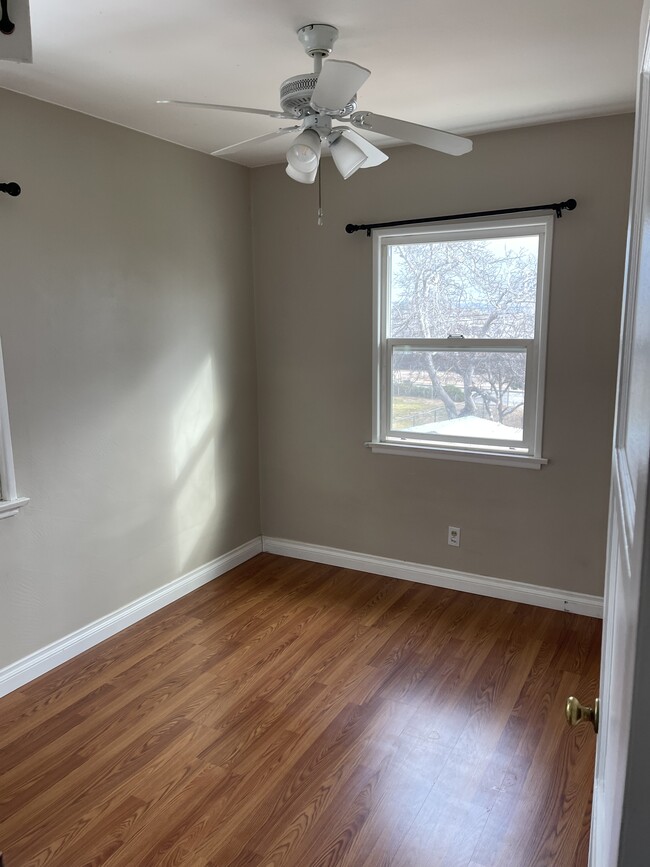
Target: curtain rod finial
x,y
12,188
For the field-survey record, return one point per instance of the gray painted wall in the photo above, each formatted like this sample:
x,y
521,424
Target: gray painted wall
x,y
313,300
126,316
126,319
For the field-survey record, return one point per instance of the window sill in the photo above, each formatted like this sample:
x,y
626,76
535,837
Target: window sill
x,y
474,457
11,507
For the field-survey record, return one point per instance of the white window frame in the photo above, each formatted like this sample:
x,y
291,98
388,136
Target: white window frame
x,y
10,502
528,453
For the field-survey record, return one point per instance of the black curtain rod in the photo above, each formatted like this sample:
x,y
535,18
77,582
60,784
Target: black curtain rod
x,y
558,207
12,188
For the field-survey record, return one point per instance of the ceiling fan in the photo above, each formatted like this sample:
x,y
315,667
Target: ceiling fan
x,y
315,99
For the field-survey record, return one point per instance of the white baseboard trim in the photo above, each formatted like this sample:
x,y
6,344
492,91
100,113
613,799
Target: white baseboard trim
x,y
41,661
499,588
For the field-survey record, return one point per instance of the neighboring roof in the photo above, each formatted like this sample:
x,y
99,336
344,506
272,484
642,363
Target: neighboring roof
x,y
470,426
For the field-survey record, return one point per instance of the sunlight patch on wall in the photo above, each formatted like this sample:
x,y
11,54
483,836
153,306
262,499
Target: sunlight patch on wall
x,y
198,500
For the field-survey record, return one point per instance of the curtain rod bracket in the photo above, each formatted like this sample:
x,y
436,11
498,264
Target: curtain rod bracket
x,y
569,205
558,207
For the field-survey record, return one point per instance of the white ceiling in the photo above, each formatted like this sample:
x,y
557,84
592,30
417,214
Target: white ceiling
x,y
461,65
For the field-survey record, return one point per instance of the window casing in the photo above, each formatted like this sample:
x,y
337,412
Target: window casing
x,y
460,316
10,502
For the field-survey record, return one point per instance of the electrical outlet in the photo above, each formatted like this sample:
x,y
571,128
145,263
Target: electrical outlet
x,y
453,536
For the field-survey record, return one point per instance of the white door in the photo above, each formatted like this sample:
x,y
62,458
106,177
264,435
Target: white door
x,y
621,812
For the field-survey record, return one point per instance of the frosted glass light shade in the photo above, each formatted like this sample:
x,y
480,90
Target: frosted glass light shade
x,y
302,177
304,153
347,156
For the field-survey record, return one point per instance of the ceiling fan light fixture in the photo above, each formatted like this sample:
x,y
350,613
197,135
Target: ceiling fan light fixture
x,y
302,177
304,153
347,156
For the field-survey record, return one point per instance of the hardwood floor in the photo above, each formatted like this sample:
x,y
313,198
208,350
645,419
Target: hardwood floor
x,y
298,715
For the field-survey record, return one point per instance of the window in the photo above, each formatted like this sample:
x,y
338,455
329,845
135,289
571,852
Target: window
x,y
10,502
460,339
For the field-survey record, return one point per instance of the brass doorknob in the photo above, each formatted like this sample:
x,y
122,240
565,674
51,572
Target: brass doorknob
x,y
577,713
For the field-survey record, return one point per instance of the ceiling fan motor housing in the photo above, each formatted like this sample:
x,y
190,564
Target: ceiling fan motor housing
x,y
296,93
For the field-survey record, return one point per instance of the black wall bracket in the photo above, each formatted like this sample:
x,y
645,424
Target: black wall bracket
x,y
7,26
12,188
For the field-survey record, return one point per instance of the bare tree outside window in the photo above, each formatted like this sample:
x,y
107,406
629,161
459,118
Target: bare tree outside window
x,y
471,289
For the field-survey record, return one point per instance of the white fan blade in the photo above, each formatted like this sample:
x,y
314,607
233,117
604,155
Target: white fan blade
x,y
225,107
337,83
269,135
374,157
426,136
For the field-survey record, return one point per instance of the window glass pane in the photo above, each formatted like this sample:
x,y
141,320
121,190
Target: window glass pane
x,y
480,288
459,394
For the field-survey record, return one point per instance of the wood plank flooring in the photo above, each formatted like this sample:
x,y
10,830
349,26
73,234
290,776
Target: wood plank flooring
x,y
297,715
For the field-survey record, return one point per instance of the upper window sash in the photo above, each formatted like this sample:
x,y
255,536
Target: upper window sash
x,y
463,230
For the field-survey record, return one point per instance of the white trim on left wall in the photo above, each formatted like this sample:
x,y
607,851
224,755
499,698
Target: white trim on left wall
x,y
28,668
